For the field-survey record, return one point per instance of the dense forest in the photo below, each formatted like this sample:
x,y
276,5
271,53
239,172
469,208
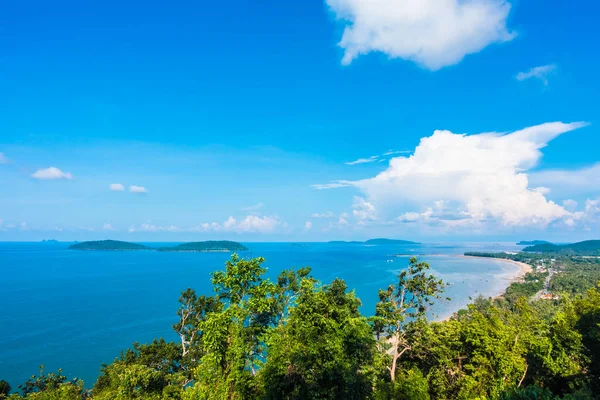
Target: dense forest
x,y
297,338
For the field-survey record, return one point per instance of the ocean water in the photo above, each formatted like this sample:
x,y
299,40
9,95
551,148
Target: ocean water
x,y
76,310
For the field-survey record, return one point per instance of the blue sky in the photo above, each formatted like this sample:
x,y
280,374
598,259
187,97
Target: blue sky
x,y
235,118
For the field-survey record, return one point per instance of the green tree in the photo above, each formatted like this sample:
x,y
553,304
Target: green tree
x,y
402,308
146,371
324,349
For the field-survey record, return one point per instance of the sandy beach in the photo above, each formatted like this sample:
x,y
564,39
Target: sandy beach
x,y
525,268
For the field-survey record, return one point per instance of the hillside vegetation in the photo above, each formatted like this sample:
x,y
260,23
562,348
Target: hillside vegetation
x,y
298,338
588,247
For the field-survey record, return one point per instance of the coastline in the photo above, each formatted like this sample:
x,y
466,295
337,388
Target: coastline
x,y
517,277
523,267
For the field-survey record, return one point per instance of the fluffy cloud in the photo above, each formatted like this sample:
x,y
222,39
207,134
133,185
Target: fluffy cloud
x,y
308,225
249,224
137,189
108,227
479,178
3,159
116,187
432,33
363,210
540,73
51,173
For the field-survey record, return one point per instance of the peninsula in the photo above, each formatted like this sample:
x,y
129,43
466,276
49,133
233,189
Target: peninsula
x,y
586,248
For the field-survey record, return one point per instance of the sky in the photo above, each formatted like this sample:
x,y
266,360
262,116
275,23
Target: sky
x,y
429,120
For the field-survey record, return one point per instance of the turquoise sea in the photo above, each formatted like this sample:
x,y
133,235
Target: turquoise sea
x,y
76,310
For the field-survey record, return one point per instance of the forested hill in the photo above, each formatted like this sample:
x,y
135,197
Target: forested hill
x,y
107,245
211,245
586,248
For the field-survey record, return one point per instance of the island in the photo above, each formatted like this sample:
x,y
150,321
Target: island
x,y
211,245
585,248
107,245
532,242
116,245
378,241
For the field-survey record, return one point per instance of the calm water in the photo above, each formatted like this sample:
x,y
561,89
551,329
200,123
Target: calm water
x,y
76,310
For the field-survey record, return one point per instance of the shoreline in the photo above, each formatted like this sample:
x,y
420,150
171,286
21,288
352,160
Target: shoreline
x,y
517,277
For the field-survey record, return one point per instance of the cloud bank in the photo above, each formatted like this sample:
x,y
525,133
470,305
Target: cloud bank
x,y
432,33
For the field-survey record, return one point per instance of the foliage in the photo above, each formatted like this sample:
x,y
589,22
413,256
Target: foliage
x,y
295,338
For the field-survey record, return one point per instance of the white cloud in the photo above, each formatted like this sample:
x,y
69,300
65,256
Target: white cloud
x,y
51,174
540,73
255,207
3,159
116,187
325,215
23,226
108,227
333,185
483,177
308,225
253,223
150,227
363,210
249,224
394,152
363,160
137,189
432,33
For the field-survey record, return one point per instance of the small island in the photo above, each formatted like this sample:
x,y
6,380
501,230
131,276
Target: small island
x,y
116,245
211,245
532,242
108,245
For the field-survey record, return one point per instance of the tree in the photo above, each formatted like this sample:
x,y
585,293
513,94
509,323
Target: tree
x,y
233,337
192,311
146,371
403,307
4,388
324,350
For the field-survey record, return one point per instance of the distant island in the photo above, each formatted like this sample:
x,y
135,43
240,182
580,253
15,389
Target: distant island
x,y
586,248
116,245
211,245
107,245
532,242
374,241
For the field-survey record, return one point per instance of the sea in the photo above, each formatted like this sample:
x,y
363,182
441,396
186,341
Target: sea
x,y
76,310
